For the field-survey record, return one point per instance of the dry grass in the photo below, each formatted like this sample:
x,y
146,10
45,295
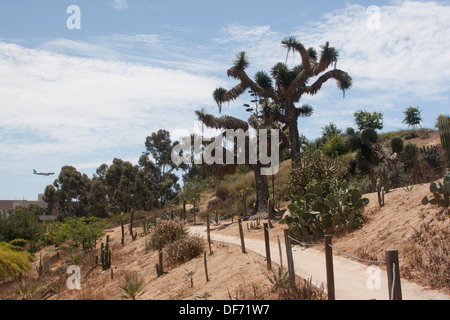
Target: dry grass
x,y
428,251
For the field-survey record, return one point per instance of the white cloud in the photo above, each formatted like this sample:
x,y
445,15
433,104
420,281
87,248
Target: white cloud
x,y
120,4
407,54
57,108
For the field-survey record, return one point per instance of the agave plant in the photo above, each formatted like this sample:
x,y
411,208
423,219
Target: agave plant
x,y
279,279
133,285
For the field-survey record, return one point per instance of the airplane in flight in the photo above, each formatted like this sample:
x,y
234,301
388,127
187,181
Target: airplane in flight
x,y
42,173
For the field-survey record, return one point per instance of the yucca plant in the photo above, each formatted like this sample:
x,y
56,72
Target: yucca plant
x,y
23,289
133,285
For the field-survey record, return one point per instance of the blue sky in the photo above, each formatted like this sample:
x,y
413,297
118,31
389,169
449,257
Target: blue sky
x,y
82,97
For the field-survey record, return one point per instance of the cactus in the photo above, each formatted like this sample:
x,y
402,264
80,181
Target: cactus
x,y
159,266
41,270
431,155
145,223
327,207
444,133
133,235
122,240
105,255
441,193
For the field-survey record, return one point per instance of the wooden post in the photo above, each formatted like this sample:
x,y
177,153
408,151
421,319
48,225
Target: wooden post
x,y
270,209
280,252
206,266
267,241
329,267
290,260
241,233
208,234
393,275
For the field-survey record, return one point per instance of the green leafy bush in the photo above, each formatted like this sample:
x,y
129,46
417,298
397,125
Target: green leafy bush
x,y
82,231
335,146
13,260
22,223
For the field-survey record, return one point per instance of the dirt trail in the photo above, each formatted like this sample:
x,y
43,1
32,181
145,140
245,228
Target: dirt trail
x,y
351,277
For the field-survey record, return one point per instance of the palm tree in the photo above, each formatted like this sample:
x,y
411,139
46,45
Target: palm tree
x,y
289,84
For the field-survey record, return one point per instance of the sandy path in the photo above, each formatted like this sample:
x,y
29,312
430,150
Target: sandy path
x,y
351,277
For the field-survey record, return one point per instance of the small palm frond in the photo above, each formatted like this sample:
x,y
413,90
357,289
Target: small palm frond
x,y
344,84
296,70
263,79
329,54
305,110
312,53
219,97
241,61
282,75
290,44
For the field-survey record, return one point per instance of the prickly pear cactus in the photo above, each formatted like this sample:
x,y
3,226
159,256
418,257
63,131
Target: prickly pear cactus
x,y
441,193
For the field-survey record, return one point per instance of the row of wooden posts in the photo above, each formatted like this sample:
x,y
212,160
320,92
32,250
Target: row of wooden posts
x,y
392,262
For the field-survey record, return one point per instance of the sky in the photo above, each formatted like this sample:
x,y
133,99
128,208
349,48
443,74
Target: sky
x,y
83,82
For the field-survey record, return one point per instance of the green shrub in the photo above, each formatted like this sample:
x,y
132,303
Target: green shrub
x,y
22,223
335,146
82,231
13,260
397,145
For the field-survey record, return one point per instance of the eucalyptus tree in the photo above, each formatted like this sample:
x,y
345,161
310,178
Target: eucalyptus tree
x,y
70,191
286,86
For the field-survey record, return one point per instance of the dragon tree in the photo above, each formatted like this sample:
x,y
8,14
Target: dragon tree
x,y
284,87
255,121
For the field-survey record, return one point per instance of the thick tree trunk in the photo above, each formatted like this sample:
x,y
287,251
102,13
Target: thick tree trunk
x,y
262,194
383,154
294,138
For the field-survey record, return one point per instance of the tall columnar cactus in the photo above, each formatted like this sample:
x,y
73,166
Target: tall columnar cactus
x,y
105,255
444,132
133,235
122,240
